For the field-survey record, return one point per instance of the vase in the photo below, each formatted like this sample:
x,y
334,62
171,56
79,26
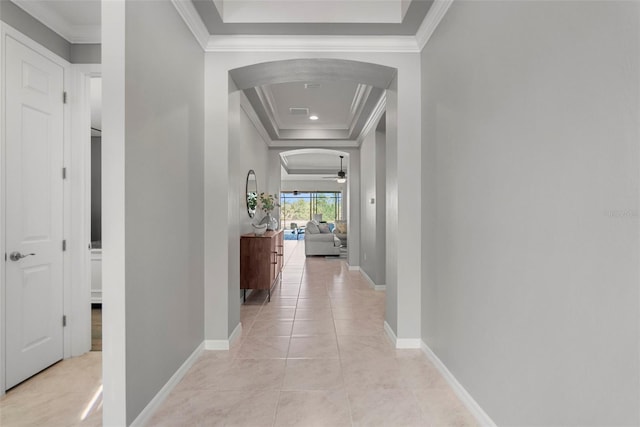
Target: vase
x,y
272,223
259,230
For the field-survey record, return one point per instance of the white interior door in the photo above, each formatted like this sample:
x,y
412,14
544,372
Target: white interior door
x,y
34,212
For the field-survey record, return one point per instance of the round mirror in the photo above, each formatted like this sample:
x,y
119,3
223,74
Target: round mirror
x,y
252,193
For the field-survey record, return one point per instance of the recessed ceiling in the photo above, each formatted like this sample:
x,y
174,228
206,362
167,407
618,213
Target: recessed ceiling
x,y
313,17
307,11
77,21
313,98
342,109
312,163
345,95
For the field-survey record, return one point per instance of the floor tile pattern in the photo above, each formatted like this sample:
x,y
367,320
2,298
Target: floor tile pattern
x,y
316,355
66,394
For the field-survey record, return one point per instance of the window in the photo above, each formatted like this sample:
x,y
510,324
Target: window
x,y
299,207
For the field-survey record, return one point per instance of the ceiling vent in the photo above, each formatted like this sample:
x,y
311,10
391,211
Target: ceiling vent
x,y
298,111
312,85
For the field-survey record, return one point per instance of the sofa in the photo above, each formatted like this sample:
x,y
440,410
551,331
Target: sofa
x,y
319,240
341,232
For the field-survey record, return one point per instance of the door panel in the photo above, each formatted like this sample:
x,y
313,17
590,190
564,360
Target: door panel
x,y
34,212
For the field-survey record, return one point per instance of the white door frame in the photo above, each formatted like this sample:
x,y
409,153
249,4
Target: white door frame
x,y
79,207
76,260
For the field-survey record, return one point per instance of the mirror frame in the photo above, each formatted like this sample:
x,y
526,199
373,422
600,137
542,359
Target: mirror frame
x,y
251,212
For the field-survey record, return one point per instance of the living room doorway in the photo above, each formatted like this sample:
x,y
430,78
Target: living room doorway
x,y
314,186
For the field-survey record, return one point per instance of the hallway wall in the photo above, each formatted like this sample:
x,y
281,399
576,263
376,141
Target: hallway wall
x,y
153,201
368,236
247,150
530,202
372,215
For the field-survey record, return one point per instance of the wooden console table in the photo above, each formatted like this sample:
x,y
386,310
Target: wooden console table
x,y
261,260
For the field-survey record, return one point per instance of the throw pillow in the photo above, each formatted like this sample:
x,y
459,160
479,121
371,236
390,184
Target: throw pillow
x,y
341,227
312,228
324,228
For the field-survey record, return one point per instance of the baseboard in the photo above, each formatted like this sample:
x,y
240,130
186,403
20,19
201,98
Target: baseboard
x,y
235,335
216,345
372,283
368,279
145,416
353,267
408,343
467,400
402,343
224,344
390,334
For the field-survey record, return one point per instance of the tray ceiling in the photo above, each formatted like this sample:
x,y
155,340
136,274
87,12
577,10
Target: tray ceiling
x,y
313,17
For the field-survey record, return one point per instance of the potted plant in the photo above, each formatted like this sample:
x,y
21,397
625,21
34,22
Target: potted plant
x,y
267,203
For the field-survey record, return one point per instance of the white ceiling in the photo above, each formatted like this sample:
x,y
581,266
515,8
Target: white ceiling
x,y
345,95
313,17
312,164
77,21
342,109
317,11
330,101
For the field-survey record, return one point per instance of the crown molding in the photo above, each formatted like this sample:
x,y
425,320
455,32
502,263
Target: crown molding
x,y
75,34
357,105
431,21
377,112
268,43
297,43
315,143
191,17
269,104
255,120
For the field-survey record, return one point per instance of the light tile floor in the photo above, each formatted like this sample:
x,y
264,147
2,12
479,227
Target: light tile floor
x,y
316,355
66,394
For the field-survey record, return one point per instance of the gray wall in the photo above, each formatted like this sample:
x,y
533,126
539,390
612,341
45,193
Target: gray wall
x,y
86,54
391,197
164,196
368,236
372,216
35,30
381,205
96,188
530,127
247,150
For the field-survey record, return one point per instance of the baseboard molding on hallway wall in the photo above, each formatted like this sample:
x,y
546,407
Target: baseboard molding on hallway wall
x,y
235,335
401,343
372,283
147,413
467,400
353,267
224,344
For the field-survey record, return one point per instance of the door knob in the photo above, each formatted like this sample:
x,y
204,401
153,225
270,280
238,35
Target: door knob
x,y
17,256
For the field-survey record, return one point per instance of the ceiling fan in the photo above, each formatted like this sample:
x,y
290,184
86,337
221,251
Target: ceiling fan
x,y
341,178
